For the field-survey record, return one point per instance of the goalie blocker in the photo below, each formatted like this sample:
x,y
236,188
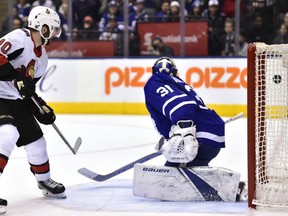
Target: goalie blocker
x,y
203,183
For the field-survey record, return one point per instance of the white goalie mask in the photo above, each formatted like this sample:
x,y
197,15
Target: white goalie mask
x,y
41,16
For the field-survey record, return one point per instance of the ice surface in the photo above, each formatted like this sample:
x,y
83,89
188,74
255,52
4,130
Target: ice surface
x,y
109,142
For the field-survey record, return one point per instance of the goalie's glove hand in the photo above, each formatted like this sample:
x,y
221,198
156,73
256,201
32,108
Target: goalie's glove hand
x,y
182,147
47,116
24,83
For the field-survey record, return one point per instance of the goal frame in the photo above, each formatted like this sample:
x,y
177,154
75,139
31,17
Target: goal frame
x,y
251,117
251,58
263,180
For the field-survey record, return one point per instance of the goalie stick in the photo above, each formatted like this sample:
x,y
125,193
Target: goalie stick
x,y
78,141
98,177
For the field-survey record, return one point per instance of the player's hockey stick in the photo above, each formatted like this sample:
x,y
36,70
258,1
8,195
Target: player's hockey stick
x,y
78,141
233,118
98,177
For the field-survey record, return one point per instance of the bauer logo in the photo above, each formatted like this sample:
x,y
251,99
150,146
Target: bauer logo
x,y
155,170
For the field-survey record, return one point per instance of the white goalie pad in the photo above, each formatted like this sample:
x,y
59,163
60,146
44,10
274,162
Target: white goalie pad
x,y
185,184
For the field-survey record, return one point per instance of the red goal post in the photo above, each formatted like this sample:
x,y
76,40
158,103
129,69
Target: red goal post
x,y
267,125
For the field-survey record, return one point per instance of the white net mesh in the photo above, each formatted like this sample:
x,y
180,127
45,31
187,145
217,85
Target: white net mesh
x,y
271,124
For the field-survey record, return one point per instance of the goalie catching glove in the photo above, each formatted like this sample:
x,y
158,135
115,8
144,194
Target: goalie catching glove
x,y
47,116
182,147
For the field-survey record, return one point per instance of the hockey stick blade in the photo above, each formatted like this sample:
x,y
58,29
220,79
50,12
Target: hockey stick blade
x,y
78,141
97,177
77,144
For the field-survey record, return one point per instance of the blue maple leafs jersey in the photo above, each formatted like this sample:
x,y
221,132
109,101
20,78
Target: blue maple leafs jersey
x,y
169,99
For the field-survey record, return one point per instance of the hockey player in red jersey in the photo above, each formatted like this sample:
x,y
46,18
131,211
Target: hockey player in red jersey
x,y
23,61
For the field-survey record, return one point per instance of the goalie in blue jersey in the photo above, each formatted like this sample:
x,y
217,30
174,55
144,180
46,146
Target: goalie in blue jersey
x,y
194,134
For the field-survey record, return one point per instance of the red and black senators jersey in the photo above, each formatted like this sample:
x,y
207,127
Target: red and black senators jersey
x,y
17,47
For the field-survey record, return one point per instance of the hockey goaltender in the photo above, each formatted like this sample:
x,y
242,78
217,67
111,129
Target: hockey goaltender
x,y
193,135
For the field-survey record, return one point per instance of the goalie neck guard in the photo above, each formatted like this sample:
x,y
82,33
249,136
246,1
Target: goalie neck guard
x,y
166,65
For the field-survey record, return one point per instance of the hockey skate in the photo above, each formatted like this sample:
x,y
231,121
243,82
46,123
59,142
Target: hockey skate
x,y
51,188
242,193
3,206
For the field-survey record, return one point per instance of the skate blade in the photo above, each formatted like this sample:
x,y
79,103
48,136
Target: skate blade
x,y
242,194
2,209
56,196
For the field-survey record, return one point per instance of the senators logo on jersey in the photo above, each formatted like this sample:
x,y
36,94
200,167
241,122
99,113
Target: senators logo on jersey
x,y
31,69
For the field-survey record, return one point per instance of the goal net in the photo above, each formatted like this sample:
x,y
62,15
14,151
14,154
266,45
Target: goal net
x,y
267,125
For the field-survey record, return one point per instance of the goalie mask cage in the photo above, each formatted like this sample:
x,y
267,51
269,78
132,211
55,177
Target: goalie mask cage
x,y
267,125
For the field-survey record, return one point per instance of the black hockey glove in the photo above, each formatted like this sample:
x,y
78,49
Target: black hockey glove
x,y
24,83
48,116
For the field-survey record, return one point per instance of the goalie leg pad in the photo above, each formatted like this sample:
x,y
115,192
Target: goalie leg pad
x,y
185,184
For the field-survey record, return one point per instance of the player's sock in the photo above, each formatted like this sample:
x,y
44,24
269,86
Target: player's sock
x,y
52,188
3,205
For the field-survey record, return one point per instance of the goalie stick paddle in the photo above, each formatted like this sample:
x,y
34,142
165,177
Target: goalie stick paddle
x,y
78,141
98,177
